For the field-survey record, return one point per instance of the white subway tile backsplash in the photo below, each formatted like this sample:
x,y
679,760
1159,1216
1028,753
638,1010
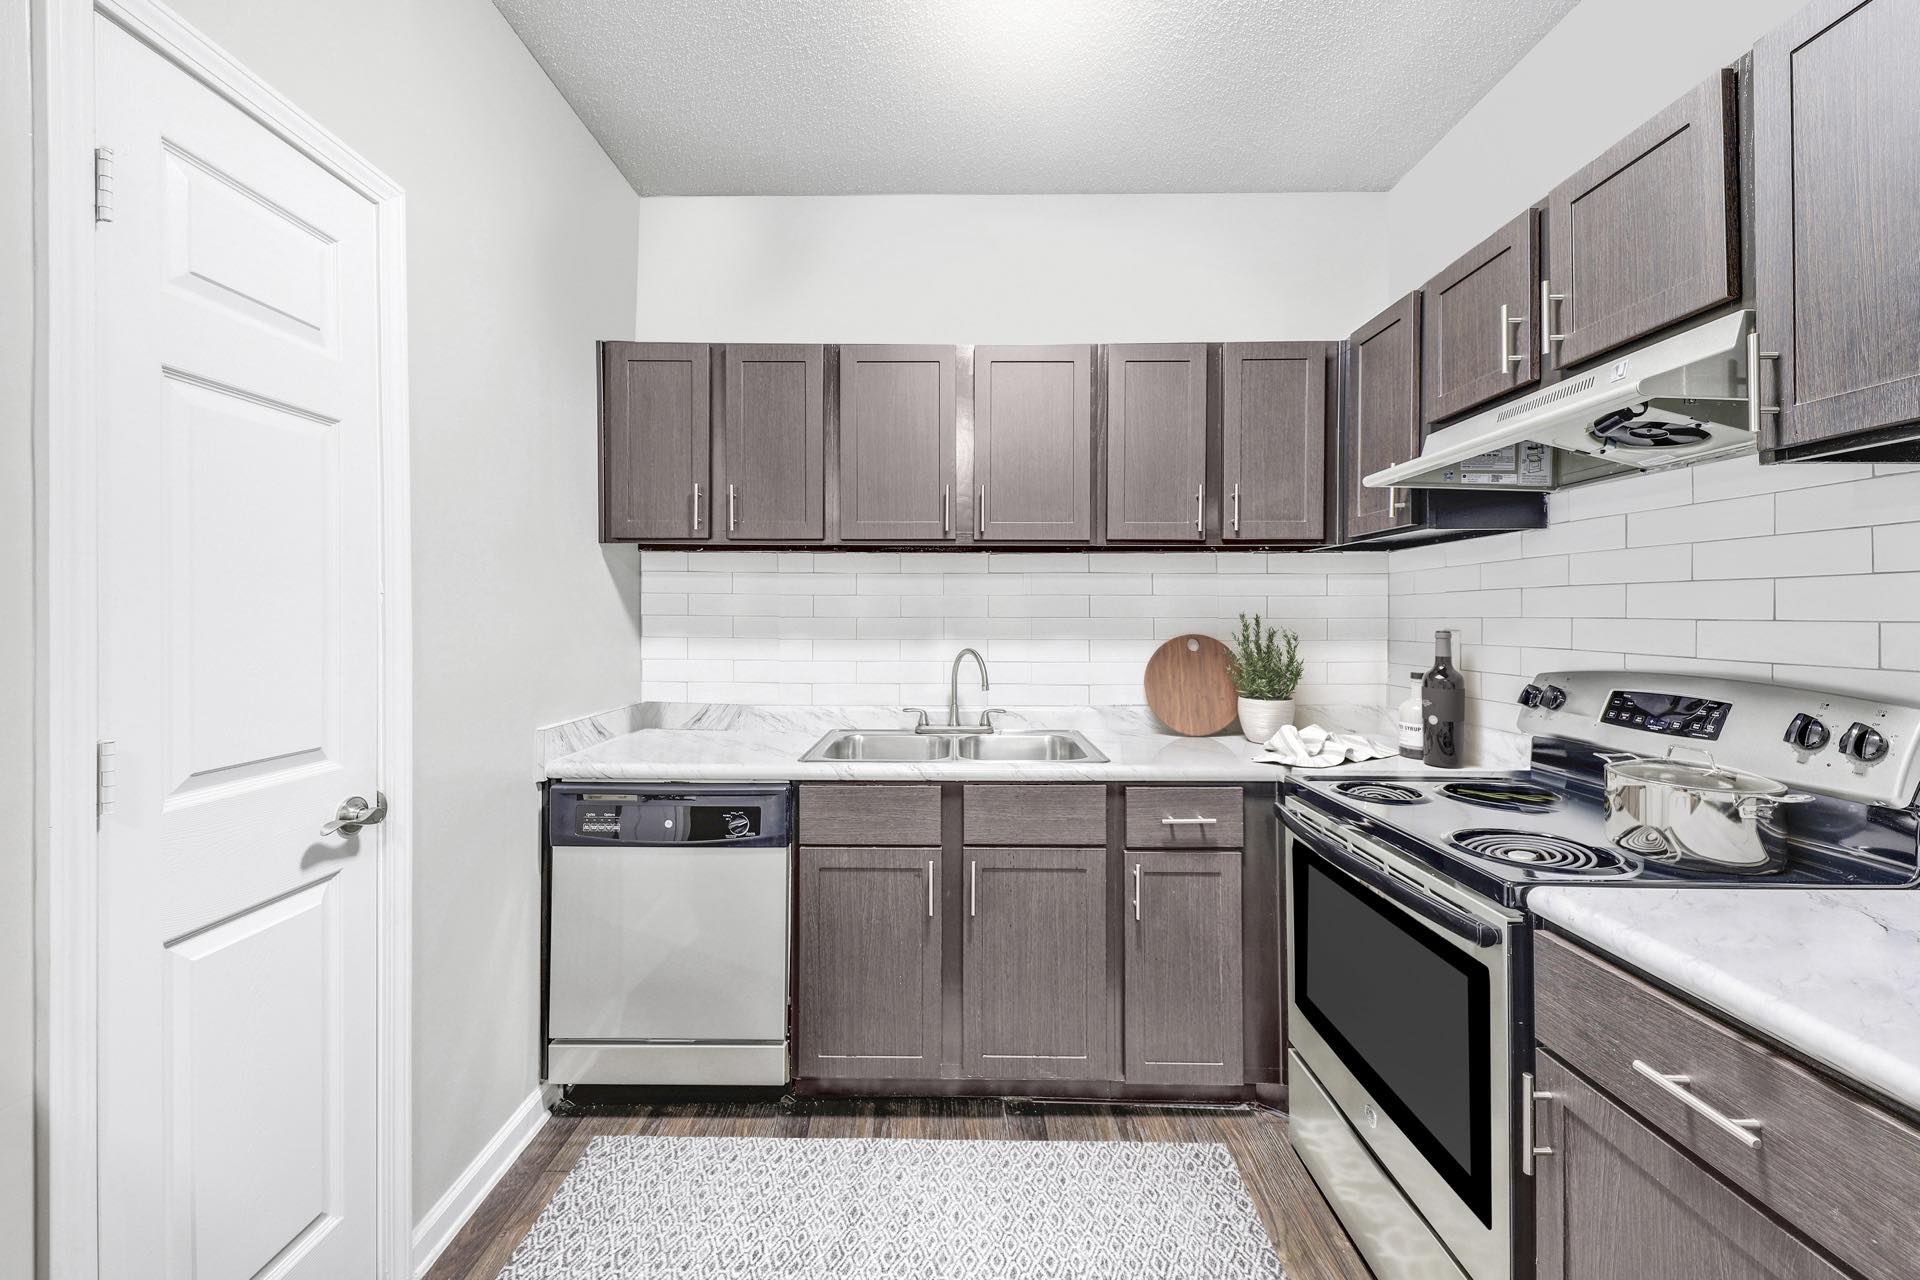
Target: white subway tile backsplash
x,y
1602,533
1603,601
1701,522
1882,499
1787,555
1640,635
1900,645
1897,546
1634,564
1740,477
1625,494
1830,644
1737,598
1880,597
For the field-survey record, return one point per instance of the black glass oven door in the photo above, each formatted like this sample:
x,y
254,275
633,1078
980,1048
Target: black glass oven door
x,y
1406,1004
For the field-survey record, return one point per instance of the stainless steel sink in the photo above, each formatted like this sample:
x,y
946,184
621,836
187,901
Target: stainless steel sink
x,y
1029,744
880,744
1000,746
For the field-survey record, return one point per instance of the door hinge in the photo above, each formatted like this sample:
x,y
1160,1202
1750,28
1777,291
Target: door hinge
x,y
103,184
105,765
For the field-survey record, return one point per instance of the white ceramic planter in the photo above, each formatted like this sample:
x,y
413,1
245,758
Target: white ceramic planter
x,y
1261,718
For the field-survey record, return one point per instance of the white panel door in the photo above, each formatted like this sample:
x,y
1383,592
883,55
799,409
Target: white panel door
x,y
240,679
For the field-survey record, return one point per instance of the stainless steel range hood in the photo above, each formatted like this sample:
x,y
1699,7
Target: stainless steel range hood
x,y
1673,402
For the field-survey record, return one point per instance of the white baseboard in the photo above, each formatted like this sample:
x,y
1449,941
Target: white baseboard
x,y
433,1233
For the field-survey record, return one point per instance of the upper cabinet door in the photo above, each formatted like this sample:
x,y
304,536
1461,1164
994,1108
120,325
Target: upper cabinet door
x,y
1273,432
655,428
1032,440
1479,340
1837,200
896,444
1383,416
1650,232
771,461
1157,442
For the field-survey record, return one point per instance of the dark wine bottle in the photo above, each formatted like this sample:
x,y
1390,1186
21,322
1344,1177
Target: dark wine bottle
x,y
1443,707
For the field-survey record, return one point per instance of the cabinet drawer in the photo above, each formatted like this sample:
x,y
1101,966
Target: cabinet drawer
x,y
1843,1171
869,813
1035,814
1184,818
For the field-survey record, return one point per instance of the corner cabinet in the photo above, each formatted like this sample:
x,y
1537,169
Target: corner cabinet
x,y
896,465
656,416
1383,417
1273,441
1837,213
1649,233
1032,444
1478,339
1157,442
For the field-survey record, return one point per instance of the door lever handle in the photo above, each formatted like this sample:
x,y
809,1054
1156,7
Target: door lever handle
x,y
354,813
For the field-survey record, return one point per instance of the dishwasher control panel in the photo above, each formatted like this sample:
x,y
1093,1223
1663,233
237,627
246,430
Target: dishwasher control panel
x,y
596,814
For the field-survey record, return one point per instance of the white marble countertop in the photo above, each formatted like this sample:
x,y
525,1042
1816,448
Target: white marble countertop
x,y
671,742
1832,974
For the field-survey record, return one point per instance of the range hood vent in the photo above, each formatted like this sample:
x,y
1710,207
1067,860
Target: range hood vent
x,y
1671,403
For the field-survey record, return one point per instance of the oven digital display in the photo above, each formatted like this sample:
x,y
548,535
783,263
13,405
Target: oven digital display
x,y
1672,714
1409,1015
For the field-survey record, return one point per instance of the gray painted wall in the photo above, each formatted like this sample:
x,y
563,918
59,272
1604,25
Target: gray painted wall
x,y
521,252
16,646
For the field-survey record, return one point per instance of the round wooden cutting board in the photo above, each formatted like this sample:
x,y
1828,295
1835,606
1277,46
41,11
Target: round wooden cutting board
x,y
1188,686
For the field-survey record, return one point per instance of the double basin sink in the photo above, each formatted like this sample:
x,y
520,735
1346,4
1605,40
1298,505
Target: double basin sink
x,y
904,746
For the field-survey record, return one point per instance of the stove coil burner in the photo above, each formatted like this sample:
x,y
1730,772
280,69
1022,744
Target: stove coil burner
x,y
1538,852
1516,797
1380,792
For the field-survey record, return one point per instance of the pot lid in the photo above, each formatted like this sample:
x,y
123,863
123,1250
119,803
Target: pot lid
x,y
1697,777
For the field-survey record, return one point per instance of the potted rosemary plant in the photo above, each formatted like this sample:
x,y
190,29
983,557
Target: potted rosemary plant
x,y
1266,671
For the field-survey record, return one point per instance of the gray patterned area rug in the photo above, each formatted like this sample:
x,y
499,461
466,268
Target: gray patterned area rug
x,y
897,1209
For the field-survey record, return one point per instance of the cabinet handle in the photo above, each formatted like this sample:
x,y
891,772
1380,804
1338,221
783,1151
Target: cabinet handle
x,y
946,508
980,512
1547,336
1236,508
1136,891
1187,822
730,516
1744,1130
1528,1129
929,888
1755,401
1395,502
1509,358
1200,509
696,506
973,888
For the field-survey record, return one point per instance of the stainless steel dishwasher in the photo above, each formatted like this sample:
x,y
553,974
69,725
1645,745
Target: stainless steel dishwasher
x,y
666,938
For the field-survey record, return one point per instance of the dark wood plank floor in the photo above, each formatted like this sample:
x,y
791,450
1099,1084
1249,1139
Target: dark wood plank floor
x,y
1305,1233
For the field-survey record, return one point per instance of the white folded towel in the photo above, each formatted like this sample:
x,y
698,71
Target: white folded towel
x,y
1317,748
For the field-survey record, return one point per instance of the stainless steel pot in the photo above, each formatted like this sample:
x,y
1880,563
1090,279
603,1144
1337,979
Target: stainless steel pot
x,y
1699,816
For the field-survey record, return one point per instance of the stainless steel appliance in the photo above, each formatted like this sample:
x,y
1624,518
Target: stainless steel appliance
x,y
666,937
1409,975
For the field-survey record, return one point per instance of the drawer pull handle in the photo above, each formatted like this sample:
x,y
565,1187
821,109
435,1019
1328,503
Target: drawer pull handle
x,y
1187,822
1747,1131
929,888
1136,891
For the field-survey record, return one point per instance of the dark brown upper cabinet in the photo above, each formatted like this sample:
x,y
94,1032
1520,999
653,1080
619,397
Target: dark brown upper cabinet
x,y
1837,199
1649,233
655,437
1383,417
770,463
1478,340
1157,442
1032,441
1273,434
896,472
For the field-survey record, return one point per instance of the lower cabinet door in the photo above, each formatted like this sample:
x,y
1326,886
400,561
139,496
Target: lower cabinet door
x,y
1615,1201
1183,998
868,973
1034,965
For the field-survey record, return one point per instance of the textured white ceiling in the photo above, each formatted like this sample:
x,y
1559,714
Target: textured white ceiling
x,y
834,97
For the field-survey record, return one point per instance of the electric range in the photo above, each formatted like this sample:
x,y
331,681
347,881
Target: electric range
x,y
1409,950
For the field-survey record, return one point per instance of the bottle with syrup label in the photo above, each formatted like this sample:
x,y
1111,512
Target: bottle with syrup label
x,y
1410,718
1443,705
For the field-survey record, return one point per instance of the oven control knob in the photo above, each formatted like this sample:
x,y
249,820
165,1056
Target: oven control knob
x,y
1552,698
1863,742
1804,733
1530,696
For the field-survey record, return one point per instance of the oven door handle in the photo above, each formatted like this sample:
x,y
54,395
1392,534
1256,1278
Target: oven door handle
x,y
1450,919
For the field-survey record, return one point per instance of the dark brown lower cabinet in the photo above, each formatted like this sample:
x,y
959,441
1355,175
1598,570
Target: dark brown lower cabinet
x,y
1616,1201
1183,996
1034,966
868,970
